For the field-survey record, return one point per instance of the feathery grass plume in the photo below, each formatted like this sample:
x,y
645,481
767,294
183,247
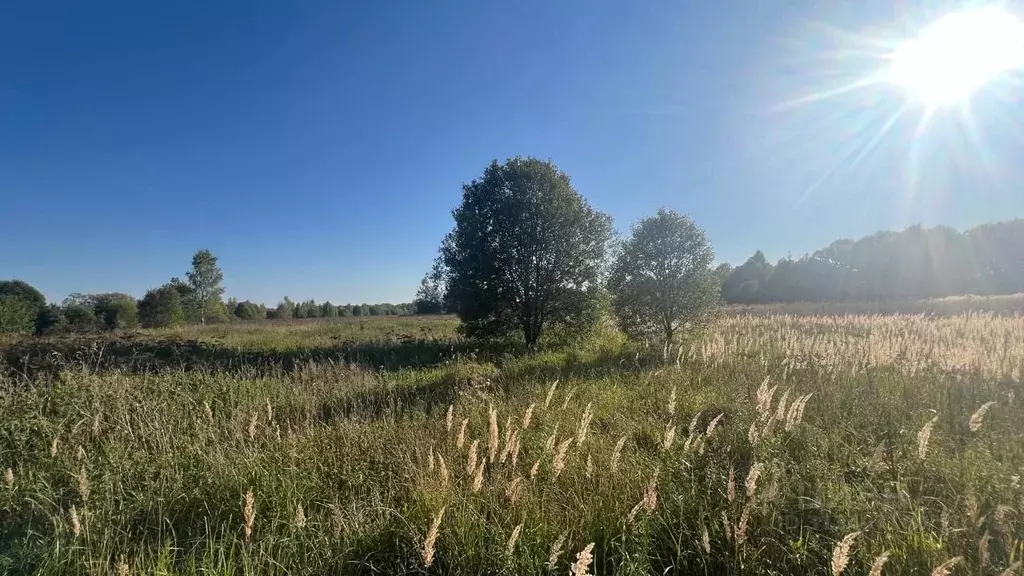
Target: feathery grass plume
x,y
841,553
584,427
9,478
300,517
442,469
510,443
478,477
741,528
971,507
946,567
448,418
780,411
528,415
1011,570
122,566
252,425
978,418
338,521
924,436
568,398
549,445
650,500
76,524
705,539
492,444
983,549
515,489
879,563
430,459
53,447
558,464
249,513
534,469
471,458
461,439
693,423
730,487
556,550
431,539
551,394
752,476
208,411
515,449
511,546
270,411
672,402
583,560
80,453
508,429
713,424
752,434
96,424
670,435
726,526
617,454
83,483
800,411
590,466
769,426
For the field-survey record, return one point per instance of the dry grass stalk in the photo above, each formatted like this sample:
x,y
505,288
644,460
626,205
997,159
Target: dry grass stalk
x,y
617,454
80,453
730,487
53,448
508,429
803,405
515,489
549,444
300,517
741,528
83,483
511,546
471,458
705,539
431,539
76,524
442,469
752,476
551,394
841,553
252,425
96,424
670,435
510,443
780,411
556,550
528,416
270,411
558,464
946,567
1011,570
534,469
649,501
461,439
478,478
584,427
122,568
924,436
693,423
430,459
672,402
492,444
713,424
978,418
568,398
9,478
879,563
590,466
448,418
249,513
515,450
752,434
983,549
583,560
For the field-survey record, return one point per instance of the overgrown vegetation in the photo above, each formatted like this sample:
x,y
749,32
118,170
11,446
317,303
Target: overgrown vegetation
x,y
761,449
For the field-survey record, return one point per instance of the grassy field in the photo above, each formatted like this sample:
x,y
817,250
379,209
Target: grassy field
x,y
773,445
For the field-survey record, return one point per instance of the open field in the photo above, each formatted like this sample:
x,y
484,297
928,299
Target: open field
x,y
774,445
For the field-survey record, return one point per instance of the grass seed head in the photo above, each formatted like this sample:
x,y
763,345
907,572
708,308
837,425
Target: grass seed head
x,y
511,546
9,478
471,458
528,416
924,436
448,418
556,550
76,524
431,540
617,454
978,418
583,560
752,476
249,513
879,564
946,567
461,439
558,464
551,394
492,444
841,553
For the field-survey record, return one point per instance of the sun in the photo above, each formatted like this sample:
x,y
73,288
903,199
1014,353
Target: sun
x,y
957,54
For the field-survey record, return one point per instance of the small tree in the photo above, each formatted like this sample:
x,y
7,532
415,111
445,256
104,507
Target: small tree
x,y
115,311
249,311
662,280
161,307
19,305
205,279
526,252
429,297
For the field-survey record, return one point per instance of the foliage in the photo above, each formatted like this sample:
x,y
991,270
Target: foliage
x,y
526,251
161,307
250,311
429,297
19,304
662,280
205,279
23,291
115,311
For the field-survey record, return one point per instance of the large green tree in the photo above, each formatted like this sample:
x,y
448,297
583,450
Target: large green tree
x,y
161,307
662,279
205,279
526,252
19,305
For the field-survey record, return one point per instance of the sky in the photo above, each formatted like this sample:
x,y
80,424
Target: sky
x,y
318,148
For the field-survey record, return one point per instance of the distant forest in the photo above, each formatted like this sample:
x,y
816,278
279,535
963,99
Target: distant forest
x,y
909,265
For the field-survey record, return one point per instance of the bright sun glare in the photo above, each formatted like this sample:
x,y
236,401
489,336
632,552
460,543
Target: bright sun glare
x,y
957,54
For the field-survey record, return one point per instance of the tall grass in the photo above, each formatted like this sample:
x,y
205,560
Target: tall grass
x,y
802,454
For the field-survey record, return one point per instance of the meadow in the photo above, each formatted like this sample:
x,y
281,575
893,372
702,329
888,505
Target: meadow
x,y
773,444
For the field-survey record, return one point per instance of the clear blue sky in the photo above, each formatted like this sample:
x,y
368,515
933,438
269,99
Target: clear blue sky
x,y
318,147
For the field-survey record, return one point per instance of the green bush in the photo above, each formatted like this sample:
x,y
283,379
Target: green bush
x,y
161,307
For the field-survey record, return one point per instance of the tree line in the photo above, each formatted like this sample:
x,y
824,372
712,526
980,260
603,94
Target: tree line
x,y
196,300
914,264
